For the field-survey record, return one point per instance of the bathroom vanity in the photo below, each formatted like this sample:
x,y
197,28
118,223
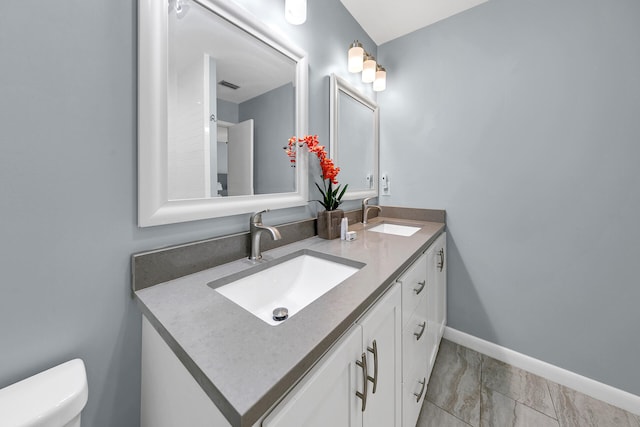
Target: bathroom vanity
x,y
360,354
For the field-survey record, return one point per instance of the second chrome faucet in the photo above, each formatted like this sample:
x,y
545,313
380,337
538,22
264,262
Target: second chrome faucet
x,y
256,228
366,208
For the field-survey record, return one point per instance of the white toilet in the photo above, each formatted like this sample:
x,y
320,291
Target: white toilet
x,y
53,398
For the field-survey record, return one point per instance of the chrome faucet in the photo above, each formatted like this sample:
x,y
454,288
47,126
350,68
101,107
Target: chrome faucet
x,y
256,228
366,208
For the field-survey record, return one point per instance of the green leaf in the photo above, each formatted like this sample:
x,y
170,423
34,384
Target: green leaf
x,y
343,191
326,203
323,205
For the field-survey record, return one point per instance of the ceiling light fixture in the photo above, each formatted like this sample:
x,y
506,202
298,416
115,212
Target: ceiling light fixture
x,y
360,60
295,11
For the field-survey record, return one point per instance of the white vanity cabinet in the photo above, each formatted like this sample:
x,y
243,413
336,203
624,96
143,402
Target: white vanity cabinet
x,y
358,381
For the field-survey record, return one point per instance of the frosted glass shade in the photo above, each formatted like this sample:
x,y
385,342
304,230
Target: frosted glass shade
x,y
356,59
295,11
380,83
369,70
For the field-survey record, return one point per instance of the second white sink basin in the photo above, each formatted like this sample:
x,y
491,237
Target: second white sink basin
x,y
293,282
397,229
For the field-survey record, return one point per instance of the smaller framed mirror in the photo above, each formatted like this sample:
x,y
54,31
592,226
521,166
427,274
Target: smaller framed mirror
x,y
354,138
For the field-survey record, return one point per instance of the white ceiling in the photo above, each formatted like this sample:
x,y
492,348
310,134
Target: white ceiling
x,y
241,59
385,20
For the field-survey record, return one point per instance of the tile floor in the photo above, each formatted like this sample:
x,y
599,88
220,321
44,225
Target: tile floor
x,y
470,389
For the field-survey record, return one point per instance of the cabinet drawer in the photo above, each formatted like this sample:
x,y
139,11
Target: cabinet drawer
x,y
414,286
415,342
413,395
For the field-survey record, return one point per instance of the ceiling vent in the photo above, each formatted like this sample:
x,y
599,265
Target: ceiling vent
x,y
228,84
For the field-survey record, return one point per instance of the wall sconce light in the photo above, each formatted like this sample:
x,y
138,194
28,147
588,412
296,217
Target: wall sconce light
x,y
369,69
380,82
179,6
295,11
356,53
360,60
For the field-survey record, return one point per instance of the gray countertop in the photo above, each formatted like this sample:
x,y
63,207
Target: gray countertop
x,y
245,365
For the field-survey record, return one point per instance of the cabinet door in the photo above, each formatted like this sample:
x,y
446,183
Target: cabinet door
x,y
327,395
437,296
381,331
433,298
441,283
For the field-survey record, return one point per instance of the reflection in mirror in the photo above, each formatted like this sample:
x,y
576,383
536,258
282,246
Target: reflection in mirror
x,y
354,121
230,107
219,95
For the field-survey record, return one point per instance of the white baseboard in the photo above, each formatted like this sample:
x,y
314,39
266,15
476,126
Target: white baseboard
x,y
613,396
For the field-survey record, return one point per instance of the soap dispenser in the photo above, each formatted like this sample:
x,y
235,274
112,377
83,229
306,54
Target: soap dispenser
x,y
344,228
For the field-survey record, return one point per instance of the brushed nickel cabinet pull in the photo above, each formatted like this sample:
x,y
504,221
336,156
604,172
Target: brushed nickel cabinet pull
x,y
441,262
365,377
374,380
420,287
419,395
418,335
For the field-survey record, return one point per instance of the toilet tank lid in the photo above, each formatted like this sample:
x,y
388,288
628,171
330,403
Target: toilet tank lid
x,y
54,396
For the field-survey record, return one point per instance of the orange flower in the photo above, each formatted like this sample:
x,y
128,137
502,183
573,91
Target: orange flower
x,y
330,171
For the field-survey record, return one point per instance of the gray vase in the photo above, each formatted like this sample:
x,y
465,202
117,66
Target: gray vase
x,y
329,223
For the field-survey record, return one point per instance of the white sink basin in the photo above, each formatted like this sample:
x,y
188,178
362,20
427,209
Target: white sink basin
x,y
293,282
397,229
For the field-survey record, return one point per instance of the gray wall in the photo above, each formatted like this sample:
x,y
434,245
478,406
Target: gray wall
x,y
274,123
520,118
227,111
68,195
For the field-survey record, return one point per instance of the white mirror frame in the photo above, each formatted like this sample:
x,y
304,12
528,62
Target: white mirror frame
x,y
338,84
154,207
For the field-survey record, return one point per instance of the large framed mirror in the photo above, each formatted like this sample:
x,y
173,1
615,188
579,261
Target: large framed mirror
x,y
354,138
219,95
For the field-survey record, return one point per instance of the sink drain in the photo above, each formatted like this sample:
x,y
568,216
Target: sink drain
x,y
280,314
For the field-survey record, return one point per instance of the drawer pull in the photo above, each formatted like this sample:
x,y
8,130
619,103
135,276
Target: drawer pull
x,y
419,395
420,287
441,262
374,380
422,326
365,377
